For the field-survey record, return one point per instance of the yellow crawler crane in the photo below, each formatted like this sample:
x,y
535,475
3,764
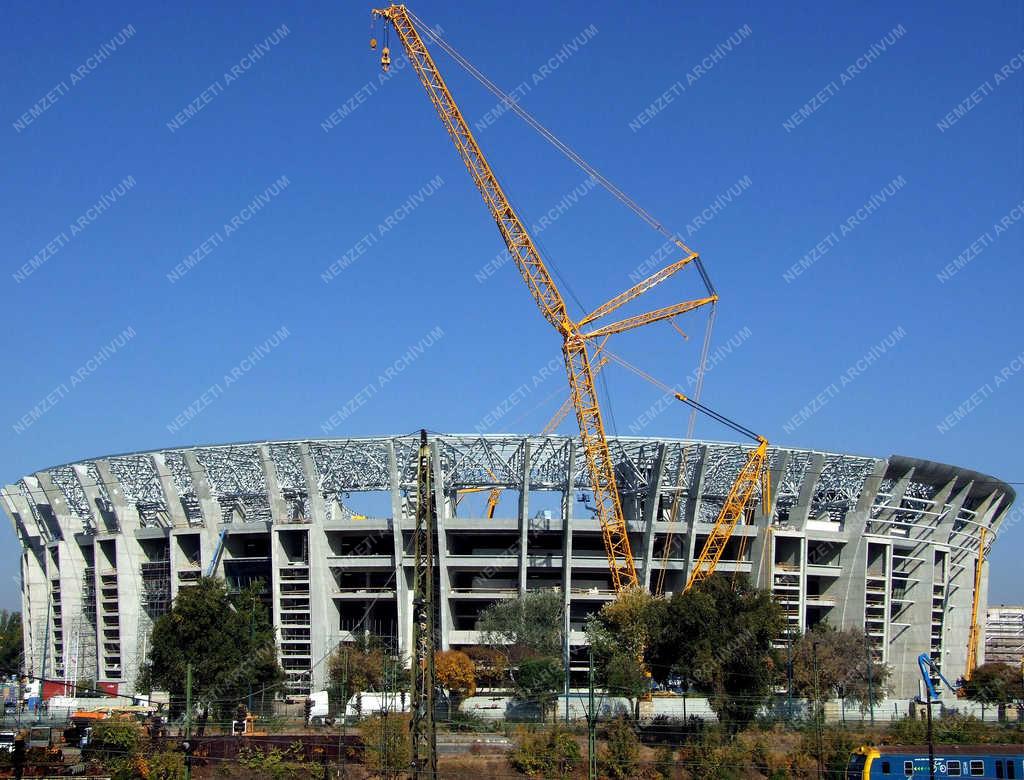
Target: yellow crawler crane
x,y
753,475
546,294
974,637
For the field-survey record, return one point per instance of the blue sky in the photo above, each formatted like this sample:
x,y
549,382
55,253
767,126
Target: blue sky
x,y
109,130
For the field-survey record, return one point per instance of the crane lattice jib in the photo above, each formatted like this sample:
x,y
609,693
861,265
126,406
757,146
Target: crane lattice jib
x,y
753,475
544,291
974,635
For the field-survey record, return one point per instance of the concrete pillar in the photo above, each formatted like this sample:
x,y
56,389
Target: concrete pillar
x,y
650,514
761,549
693,512
402,594
801,510
568,501
175,511
524,517
323,633
443,575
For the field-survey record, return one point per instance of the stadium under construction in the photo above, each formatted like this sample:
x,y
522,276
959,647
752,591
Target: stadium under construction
x,y
886,545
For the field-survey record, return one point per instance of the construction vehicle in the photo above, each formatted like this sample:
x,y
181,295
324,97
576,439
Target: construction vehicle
x,y
218,551
577,334
974,636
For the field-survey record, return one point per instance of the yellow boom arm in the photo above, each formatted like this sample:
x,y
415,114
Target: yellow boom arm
x,y
547,296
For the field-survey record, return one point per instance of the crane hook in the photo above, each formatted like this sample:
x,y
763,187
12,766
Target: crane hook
x,y
385,58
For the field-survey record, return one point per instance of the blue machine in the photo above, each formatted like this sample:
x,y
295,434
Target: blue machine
x,y
217,552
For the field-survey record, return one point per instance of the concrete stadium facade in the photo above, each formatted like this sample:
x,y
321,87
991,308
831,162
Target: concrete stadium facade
x,y
886,545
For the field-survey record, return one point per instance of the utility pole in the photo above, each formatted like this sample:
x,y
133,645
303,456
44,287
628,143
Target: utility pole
x,y
591,721
342,746
252,633
188,722
789,674
424,730
931,743
818,709
565,660
871,686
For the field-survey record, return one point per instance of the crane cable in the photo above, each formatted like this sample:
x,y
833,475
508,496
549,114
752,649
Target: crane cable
x,y
696,405
572,155
564,148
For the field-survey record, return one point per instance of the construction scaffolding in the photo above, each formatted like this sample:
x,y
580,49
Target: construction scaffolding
x,y
1004,635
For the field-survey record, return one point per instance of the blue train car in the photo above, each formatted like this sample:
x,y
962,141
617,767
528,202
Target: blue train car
x,y
996,762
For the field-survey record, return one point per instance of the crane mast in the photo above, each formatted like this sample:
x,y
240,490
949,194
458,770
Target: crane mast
x,y
548,297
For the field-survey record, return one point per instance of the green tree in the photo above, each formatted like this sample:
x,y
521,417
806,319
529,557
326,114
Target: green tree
x,y
718,636
530,625
619,635
842,667
539,680
365,665
10,640
996,683
114,738
228,640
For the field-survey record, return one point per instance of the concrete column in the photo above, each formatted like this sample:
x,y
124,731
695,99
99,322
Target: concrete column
x,y
278,514
524,517
801,510
443,575
402,595
172,500
568,500
34,585
69,573
650,514
693,512
761,552
278,507
211,511
323,633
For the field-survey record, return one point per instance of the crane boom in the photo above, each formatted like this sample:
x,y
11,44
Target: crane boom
x,y
753,475
545,293
974,635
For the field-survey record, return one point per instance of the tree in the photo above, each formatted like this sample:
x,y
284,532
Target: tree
x,y
996,683
539,680
619,635
10,641
490,666
455,673
842,667
365,665
529,631
228,640
718,636
530,625
388,743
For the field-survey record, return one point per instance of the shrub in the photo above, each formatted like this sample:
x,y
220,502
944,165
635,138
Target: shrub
x,y
546,754
388,742
665,762
114,738
619,758
167,766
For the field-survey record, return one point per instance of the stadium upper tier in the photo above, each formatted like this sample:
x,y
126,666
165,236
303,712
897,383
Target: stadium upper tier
x,y
888,545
